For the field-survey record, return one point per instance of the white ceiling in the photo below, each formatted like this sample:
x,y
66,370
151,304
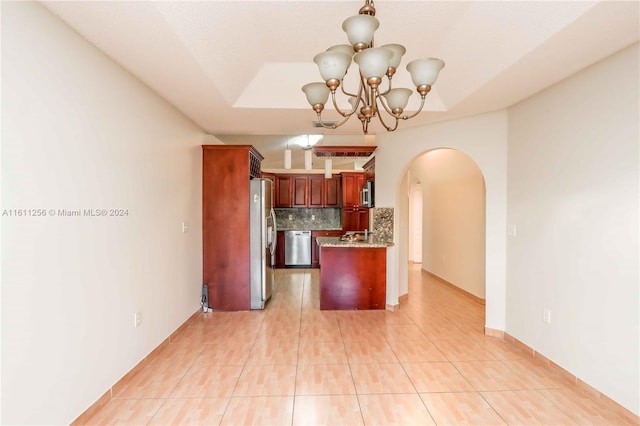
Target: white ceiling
x,y
236,67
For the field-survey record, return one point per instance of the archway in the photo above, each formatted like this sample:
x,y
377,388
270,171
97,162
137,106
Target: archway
x,y
484,139
446,218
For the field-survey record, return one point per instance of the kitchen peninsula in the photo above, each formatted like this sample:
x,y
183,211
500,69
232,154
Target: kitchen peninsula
x,y
353,271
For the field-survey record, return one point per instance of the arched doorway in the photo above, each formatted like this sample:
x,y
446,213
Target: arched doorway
x,y
484,139
446,218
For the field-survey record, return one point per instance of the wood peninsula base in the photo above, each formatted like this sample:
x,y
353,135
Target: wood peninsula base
x,y
353,278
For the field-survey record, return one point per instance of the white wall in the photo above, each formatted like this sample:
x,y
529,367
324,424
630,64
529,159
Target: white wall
x,y
453,218
78,132
573,195
484,139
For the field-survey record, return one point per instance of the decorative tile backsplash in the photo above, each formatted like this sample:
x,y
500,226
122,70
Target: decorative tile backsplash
x,y
383,223
301,219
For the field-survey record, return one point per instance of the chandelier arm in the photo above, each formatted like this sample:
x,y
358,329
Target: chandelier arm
x,y
388,88
332,126
344,114
335,105
406,117
389,128
386,107
351,94
367,95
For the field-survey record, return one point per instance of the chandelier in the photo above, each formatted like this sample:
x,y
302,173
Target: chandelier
x,y
374,63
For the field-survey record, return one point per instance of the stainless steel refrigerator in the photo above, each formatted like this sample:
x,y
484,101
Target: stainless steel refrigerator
x,y
263,241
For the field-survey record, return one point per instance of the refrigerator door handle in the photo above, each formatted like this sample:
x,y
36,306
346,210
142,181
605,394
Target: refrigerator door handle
x,y
273,233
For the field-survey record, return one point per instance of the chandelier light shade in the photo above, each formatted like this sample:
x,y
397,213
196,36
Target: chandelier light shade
x,y
397,98
317,95
344,48
373,62
425,71
360,29
332,64
370,99
398,51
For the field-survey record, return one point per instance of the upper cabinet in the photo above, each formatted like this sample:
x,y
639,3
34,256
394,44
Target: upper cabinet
x,y
284,197
317,192
351,185
370,170
333,191
300,196
307,191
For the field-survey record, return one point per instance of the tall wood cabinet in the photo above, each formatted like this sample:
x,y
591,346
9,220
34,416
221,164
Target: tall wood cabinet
x,y
226,171
354,217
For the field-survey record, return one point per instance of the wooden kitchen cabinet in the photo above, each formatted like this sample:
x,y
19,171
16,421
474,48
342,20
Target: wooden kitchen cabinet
x,y
333,191
284,190
226,172
352,183
324,192
355,219
315,250
300,194
370,170
317,193
291,191
353,278
307,191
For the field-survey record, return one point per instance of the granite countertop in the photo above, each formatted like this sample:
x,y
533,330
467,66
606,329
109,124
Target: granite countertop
x,y
371,241
295,227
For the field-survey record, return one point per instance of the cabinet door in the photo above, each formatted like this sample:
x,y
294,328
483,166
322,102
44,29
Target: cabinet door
x,y
316,191
315,249
355,219
283,191
360,180
332,192
300,190
351,185
348,182
350,220
363,219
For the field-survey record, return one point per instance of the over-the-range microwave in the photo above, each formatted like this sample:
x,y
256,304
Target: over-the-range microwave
x,y
366,195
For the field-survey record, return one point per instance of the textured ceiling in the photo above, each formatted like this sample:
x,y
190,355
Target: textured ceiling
x,y
236,67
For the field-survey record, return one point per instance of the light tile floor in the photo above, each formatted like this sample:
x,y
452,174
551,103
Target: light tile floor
x,y
292,364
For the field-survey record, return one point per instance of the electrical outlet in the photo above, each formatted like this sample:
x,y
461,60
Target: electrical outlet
x,y
185,227
137,319
313,217
546,316
290,217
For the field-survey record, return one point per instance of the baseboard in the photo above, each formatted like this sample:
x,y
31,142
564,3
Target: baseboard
x,y
392,308
494,333
587,389
455,287
113,390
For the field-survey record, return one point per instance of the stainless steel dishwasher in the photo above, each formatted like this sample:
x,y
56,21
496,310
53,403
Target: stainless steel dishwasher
x,y
297,248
